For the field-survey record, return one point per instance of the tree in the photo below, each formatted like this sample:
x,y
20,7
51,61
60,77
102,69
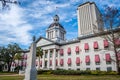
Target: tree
x,y
9,52
39,53
112,21
18,57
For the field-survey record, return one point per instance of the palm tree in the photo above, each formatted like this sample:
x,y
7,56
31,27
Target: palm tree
x,y
39,53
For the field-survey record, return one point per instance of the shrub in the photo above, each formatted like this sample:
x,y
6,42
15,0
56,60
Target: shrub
x,y
74,72
66,72
44,71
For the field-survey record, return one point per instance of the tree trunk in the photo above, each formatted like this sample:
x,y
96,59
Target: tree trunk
x,y
117,62
9,66
114,45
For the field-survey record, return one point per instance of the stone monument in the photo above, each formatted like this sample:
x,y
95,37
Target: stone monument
x,y
31,72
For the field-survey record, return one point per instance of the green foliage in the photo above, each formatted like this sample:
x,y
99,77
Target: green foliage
x,y
18,56
44,71
8,53
66,72
74,72
39,52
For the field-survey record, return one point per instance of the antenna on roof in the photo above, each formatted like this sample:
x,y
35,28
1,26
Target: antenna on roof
x,y
56,10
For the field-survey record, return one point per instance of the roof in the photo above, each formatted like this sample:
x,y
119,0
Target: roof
x,y
90,3
99,34
86,3
56,22
43,38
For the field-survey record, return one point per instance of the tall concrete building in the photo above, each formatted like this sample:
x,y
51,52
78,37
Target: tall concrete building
x,y
89,19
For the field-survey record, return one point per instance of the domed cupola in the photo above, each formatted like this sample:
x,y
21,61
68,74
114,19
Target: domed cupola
x,y
55,22
56,18
56,31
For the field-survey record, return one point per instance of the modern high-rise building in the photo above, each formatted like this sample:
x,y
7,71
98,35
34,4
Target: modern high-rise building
x,y
89,19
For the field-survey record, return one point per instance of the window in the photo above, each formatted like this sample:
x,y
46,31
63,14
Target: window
x,y
77,61
87,68
108,62
61,52
86,46
87,60
50,55
108,58
56,54
86,51
69,51
45,55
98,68
109,68
69,68
87,63
69,65
78,64
97,60
78,69
56,62
61,62
97,63
77,53
45,64
77,50
50,62
95,45
69,62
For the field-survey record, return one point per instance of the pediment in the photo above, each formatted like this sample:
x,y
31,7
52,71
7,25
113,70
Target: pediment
x,y
44,41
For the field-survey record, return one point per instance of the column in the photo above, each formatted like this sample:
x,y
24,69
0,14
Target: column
x,y
48,57
43,60
54,60
58,58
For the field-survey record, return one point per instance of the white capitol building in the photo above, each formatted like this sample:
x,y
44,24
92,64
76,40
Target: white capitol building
x,y
87,52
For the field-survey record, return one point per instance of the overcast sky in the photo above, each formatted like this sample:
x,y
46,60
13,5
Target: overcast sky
x,y
32,17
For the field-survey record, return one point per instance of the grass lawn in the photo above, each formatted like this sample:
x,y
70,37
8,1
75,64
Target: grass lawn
x,y
65,77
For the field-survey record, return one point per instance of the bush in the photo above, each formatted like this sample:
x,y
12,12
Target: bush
x,y
75,72
66,72
44,71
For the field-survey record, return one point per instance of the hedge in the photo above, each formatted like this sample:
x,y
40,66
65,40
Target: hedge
x,y
75,72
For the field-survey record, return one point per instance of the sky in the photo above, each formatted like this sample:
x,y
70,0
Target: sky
x,y
19,23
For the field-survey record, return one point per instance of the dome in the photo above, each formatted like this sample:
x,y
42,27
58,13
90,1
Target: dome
x,y
56,18
56,22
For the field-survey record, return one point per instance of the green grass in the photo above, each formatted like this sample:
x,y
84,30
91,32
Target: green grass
x,y
65,77
7,73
